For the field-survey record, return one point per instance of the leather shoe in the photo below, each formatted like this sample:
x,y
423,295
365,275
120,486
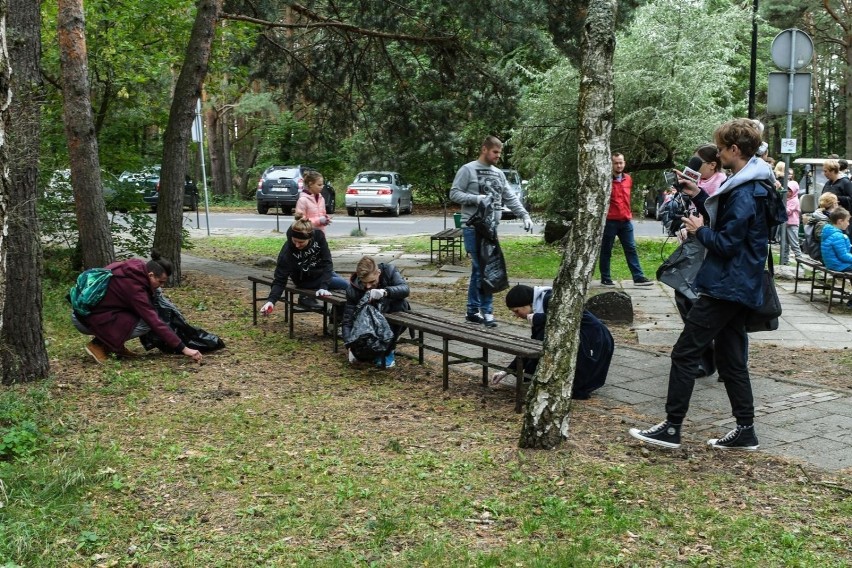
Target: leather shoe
x,y
98,351
126,353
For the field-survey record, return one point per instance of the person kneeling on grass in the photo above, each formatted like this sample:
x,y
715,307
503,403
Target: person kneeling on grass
x,y
388,290
596,344
127,310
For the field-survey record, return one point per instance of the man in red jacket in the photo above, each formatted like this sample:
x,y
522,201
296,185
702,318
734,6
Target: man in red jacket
x,y
126,310
619,224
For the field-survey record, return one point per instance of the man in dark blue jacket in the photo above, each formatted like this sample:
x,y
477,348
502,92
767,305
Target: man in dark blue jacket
x,y
729,285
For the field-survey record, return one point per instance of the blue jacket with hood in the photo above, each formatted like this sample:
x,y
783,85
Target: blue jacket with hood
x,y
736,238
834,245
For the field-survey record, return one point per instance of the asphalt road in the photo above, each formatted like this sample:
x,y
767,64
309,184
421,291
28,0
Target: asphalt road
x,y
374,225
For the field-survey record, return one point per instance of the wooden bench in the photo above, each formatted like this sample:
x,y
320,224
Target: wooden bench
x,y
448,244
486,338
292,306
823,279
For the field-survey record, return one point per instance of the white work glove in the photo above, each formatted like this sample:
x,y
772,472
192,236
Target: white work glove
x,y
323,292
528,225
530,318
377,294
267,308
324,220
481,197
497,377
352,358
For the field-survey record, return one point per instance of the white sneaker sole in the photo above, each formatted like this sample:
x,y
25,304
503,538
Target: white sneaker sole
x,y
714,441
637,433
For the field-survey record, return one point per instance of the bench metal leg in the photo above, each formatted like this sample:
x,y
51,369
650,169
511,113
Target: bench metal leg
x,y
519,384
446,355
334,326
254,303
420,348
485,367
290,302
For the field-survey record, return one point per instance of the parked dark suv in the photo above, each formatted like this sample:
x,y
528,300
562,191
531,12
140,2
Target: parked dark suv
x,y
149,183
280,186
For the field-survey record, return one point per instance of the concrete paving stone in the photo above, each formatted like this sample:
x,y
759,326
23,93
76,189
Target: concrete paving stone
x,y
830,423
821,452
653,386
441,280
657,338
455,269
410,272
841,406
796,418
783,435
629,396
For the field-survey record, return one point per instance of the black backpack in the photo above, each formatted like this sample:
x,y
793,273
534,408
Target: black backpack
x,y
774,206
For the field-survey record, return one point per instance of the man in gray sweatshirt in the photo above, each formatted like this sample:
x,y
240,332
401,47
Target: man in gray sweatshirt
x,y
474,182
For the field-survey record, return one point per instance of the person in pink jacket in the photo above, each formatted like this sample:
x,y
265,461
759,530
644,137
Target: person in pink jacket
x,y
127,310
311,204
794,214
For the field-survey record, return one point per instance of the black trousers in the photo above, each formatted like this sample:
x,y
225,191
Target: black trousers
x,y
712,321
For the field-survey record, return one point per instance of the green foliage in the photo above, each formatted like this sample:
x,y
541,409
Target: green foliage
x,y
665,105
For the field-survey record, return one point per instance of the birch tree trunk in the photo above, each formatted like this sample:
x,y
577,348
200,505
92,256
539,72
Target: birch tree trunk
x,y
22,353
547,413
169,231
5,182
95,237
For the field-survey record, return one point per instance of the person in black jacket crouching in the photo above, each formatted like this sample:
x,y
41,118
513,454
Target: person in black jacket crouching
x,y
596,344
387,289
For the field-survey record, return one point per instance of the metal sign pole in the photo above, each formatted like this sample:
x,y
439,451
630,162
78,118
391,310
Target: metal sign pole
x,y
200,127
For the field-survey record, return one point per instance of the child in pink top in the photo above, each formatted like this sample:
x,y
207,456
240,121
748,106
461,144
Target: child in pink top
x,y
794,212
311,203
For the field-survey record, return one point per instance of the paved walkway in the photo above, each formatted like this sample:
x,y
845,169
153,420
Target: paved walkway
x,y
794,419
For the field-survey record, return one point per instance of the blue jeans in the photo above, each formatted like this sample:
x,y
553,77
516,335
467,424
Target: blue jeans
x,y
477,301
338,282
624,231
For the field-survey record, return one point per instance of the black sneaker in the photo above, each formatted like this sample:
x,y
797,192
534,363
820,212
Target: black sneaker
x,y
665,434
490,321
475,318
642,281
607,282
740,438
308,302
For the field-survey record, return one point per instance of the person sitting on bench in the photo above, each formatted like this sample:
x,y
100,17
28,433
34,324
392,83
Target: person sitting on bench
x,y
596,343
306,259
836,253
386,287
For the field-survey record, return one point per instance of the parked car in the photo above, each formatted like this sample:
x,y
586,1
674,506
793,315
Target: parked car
x,y
379,191
60,188
148,181
280,186
518,187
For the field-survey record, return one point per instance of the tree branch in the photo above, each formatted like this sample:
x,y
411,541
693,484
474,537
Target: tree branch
x,y
319,22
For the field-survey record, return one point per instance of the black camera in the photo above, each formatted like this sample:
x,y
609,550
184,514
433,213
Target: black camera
x,y
671,180
673,211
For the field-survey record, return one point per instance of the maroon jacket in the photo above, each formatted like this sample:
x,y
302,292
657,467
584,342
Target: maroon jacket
x,y
128,298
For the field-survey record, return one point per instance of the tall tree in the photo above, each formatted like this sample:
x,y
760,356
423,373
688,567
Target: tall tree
x,y
80,134
5,182
22,353
548,406
841,13
168,234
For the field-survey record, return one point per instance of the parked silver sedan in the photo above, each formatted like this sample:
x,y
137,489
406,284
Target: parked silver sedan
x,y
379,191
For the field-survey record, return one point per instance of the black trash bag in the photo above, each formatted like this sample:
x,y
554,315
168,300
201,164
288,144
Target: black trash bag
x,y
493,277
192,337
681,267
371,335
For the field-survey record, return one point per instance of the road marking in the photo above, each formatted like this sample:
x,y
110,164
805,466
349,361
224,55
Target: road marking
x,y
334,221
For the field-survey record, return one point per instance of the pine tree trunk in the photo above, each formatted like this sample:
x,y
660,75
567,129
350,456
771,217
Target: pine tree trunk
x,y
547,413
22,353
225,121
214,148
168,234
80,133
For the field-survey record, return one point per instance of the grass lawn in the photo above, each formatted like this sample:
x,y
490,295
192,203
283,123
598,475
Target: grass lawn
x,y
526,257
276,452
